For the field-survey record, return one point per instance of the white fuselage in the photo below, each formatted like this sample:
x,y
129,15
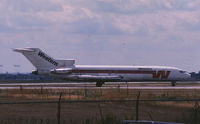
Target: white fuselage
x,y
67,69
122,73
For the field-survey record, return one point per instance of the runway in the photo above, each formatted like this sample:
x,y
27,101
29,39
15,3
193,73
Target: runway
x,y
70,85
136,88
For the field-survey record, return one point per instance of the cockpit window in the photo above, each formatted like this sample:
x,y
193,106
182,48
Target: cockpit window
x,y
182,71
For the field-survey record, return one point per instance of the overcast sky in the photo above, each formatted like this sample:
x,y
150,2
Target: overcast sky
x,y
108,32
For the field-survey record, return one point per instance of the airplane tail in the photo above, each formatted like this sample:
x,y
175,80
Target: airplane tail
x,y
41,60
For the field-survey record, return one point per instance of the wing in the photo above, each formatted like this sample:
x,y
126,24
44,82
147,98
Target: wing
x,y
95,78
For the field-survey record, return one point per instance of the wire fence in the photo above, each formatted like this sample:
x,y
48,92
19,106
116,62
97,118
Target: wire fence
x,y
97,106
136,110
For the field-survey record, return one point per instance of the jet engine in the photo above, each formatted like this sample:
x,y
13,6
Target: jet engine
x,y
61,71
35,72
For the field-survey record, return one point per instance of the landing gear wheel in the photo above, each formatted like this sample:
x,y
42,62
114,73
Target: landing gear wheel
x,y
99,84
173,83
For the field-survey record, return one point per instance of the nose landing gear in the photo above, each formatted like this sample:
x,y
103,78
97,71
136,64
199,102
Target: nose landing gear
x,y
173,83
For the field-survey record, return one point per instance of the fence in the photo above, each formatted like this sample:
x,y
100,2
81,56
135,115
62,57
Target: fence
x,y
97,106
105,119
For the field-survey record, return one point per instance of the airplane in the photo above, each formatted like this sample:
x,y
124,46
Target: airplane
x,y
68,70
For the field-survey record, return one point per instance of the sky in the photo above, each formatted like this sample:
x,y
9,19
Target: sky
x,y
102,32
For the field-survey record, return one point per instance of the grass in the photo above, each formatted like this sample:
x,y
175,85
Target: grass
x,y
97,113
98,94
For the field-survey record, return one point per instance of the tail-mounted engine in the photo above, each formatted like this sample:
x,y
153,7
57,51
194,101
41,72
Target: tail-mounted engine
x,y
61,71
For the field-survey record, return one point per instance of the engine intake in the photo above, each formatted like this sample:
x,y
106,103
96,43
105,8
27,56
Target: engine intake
x,y
62,71
35,72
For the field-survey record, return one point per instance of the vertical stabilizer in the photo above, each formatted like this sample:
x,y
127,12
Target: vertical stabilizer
x,y
42,61
38,58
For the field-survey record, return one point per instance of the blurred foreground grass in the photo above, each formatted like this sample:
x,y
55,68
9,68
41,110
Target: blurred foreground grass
x,y
97,113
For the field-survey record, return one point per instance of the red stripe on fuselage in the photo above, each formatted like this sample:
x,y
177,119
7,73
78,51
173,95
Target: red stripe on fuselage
x,y
114,71
155,74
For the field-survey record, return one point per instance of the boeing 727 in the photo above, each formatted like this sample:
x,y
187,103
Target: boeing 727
x,y
68,70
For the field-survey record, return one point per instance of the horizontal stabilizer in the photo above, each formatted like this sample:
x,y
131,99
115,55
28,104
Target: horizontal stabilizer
x,y
24,50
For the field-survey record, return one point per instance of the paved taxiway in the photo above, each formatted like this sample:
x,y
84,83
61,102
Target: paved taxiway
x,y
136,88
68,85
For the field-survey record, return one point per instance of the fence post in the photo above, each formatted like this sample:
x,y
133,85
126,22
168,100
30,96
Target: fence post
x,y
196,109
86,92
21,90
58,114
127,89
137,106
41,91
69,94
101,114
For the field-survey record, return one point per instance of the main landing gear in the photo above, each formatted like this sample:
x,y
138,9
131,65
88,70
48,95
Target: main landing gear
x,y
99,84
173,83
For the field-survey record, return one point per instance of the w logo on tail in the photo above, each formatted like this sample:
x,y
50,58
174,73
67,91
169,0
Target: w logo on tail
x,y
161,74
